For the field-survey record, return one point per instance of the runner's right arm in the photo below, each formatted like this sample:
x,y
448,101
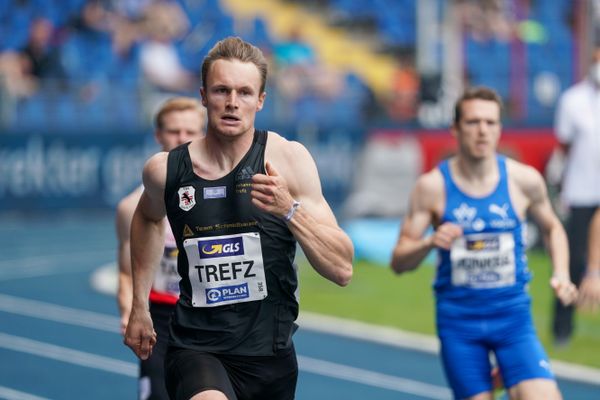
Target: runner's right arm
x,y
125,210
412,247
147,243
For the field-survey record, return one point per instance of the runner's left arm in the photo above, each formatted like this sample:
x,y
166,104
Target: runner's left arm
x,y
326,246
553,233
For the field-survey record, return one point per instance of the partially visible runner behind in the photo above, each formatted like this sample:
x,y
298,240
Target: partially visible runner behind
x,y
477,202
238,201
179,120
589,289
578,132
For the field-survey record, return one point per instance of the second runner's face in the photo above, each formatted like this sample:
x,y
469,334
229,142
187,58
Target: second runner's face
x,y
180,127
232,97
478,130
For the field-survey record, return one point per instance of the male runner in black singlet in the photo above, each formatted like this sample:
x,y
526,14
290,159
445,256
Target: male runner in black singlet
x,y
237,200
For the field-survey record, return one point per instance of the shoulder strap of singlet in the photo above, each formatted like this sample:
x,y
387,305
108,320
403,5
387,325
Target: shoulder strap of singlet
x,y
444,167
178,161
503,184
255,159
261,137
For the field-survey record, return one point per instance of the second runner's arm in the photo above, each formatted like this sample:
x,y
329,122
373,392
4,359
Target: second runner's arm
x,y
589,290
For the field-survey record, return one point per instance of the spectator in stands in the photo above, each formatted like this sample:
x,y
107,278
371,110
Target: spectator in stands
x,y
578,131
14,78
41,55
93,18
402,106
24,70
299,70
163,23
486,19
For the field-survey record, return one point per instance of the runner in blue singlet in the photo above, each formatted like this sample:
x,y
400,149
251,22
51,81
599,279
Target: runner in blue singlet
x,y
477,202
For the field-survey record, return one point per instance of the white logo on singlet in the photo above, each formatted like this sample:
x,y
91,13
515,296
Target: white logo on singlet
x,y
505,222
465,216
501,211
187,197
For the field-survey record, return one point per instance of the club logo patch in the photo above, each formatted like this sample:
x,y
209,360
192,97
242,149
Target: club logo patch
x,y
187,197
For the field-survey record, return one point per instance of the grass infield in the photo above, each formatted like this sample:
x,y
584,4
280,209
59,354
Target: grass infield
x,y
377,296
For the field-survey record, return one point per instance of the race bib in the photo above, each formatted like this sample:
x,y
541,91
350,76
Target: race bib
x,y
166,279
483,261
226,269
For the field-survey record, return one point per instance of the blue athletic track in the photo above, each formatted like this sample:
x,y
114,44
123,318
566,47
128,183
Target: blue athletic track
x,y
59,336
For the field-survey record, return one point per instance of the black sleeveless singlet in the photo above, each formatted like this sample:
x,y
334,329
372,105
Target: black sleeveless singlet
x,y
221,211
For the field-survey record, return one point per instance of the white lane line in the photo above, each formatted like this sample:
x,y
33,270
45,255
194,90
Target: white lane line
x,y
105,279
371,378
52,312
28,267
419,342
369,332
307,364
310,321
12,394
81,358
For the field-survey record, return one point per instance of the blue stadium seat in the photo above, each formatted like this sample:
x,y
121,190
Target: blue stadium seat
x,y
31,113
488,63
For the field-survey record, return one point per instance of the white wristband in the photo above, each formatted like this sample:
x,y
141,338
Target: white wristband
x,y
287,217
593,272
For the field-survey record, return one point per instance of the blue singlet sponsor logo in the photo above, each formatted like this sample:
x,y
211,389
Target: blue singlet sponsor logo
x,y
483,244
227,293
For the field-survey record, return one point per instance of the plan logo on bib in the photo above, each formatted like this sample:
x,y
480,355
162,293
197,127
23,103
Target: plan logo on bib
x,y
187,197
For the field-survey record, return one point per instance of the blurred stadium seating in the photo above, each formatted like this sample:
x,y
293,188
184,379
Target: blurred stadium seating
x,y
97,81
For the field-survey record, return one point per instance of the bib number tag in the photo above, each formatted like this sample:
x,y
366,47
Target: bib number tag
x,y
226,269
483,261
167,278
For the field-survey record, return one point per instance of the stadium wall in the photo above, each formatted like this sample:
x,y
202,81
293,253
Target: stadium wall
x,y
48,172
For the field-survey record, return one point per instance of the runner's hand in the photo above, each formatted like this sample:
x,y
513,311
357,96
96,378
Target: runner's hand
x,y
589,293
564,290
124,321
445,235
270,192
140,335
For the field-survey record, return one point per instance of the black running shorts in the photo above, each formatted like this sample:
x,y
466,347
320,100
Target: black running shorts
x,y
189,372
151,385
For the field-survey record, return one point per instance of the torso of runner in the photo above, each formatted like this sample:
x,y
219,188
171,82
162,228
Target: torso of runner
x,y
236,263
487,266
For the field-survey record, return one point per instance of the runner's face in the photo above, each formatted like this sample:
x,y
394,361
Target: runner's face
x,y
478,130
180,127
232,97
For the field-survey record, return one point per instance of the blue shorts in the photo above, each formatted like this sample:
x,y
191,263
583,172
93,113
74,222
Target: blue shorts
x,y
466,344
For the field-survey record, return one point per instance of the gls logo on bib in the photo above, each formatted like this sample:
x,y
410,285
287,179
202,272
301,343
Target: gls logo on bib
x,y
228,247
